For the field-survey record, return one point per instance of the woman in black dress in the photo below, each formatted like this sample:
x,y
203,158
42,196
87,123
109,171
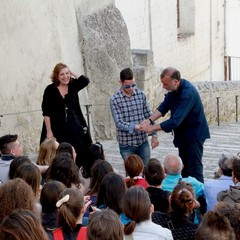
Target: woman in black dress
x,y
63,118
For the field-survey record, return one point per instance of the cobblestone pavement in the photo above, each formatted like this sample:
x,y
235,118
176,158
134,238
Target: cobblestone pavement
x,y
224,139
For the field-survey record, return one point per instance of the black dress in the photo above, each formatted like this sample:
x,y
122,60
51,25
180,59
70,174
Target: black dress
x,y
67,121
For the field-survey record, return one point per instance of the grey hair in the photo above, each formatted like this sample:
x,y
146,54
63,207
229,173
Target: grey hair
x,y
172,164
225,164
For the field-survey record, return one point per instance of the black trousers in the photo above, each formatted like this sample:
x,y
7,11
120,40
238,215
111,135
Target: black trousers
x,y
191,156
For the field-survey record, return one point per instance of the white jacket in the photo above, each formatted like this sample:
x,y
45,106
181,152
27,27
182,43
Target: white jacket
x,y
149,230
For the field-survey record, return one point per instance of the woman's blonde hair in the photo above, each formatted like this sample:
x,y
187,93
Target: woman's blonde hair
x,y
47,152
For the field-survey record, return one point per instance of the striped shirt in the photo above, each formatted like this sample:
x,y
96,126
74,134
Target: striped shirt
x,y
128,112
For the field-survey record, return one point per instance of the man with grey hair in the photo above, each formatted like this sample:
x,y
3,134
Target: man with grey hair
x,y
231,195
173,166
214,186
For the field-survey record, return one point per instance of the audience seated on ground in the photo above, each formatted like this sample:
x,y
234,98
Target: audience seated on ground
x,y
134,171
48,199
214,186
69,217
111,192
105,225
95,152
67,147
16,194
47,151
233,215
11,148
154,175
232,195
137,210
32,176
16,163
182,204
173,166
22,224
214,226
65,170
99,170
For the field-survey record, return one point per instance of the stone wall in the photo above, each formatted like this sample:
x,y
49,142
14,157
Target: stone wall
x,y
89,36
225,111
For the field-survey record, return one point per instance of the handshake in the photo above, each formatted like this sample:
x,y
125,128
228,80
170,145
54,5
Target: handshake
x,y
147,126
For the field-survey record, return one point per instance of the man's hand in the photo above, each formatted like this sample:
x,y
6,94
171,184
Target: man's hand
x,y
154,141
146,127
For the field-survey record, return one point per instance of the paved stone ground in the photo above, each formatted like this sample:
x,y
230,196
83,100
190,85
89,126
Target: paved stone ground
x,y
224,139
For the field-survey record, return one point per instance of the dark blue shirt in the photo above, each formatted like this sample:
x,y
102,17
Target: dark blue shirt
x,y
187,119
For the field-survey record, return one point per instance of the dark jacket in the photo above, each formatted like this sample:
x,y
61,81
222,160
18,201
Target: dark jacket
x,y
187,119
231,196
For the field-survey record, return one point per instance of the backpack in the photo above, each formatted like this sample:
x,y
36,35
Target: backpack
x,y
82,234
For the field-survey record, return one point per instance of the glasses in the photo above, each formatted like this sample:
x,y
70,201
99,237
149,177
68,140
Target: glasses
x,y
129,86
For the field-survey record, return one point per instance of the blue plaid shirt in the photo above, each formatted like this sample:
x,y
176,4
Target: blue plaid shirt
x,y
128,112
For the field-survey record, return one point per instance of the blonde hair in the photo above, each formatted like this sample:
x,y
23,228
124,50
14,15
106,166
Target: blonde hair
x,y
47,152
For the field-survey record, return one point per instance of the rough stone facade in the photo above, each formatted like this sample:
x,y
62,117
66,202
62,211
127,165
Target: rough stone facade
x,y
220,98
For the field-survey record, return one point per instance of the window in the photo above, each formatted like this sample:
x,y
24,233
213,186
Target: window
x,y
185,18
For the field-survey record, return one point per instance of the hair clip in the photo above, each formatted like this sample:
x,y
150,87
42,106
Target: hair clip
x,y
62,200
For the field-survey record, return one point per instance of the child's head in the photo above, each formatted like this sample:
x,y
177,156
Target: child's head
x,y
154,173
70,206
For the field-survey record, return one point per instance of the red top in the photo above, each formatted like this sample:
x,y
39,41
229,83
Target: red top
x,y
139,181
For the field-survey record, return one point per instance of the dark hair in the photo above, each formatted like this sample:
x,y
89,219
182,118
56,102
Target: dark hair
x,y
133,166
111,192
232,212
31,174
65,170
22,224
154,172
95,152
136,206
214,226
4,142
98,228
70,210
126,74
236,168
98,171
65,147
49,195
16,163
57,69
171,72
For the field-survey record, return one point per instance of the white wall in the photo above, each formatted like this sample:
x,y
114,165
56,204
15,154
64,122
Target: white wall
x,y
199,56
35,36
232,28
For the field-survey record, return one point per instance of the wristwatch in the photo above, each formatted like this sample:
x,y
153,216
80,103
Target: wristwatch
x,y
151,121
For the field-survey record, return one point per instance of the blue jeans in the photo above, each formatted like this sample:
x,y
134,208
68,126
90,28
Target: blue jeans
x,y
142,151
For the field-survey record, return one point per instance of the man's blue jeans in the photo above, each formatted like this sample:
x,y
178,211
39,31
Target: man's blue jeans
x,y
142,150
